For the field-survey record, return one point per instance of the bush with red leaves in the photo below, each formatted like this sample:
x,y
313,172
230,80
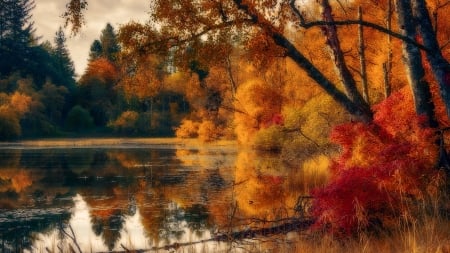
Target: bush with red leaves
x,y
383,167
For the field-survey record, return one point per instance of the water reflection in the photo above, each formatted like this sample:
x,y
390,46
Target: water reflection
x,y
102,199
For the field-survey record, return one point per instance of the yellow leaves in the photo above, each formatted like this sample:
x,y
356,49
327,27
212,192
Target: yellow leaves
x,y
258,103
270,139
320,114
206,130
187,129
209,131
145,80
20,103
14,107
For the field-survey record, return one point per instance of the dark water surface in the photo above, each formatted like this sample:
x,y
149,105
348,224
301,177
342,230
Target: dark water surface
x,y
136,196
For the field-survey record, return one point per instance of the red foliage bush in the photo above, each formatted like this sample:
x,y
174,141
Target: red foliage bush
x,y
383,166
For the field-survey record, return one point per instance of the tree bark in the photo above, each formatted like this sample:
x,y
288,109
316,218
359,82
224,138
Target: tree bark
x,y
387,84
387,66
362,58
413,63
362,112
334,44
439,65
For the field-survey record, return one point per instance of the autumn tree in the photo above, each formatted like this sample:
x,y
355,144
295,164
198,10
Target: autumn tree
x,y
189,20
97,90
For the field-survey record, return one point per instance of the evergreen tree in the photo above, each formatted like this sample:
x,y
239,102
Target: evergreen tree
x,y
109,45
96,50
64,65
16,31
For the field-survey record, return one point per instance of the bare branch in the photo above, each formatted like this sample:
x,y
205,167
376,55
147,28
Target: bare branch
x,y
175,41
297,11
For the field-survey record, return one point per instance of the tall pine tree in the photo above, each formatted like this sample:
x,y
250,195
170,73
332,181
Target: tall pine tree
x,y
110,46
64,65
16,31
96,50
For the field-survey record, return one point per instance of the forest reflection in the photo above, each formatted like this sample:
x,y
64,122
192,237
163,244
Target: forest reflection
x,y
140,197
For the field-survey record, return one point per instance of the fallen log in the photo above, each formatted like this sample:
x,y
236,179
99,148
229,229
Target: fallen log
x,y
295,224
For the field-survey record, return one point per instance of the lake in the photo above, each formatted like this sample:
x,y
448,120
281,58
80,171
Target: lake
x,y
117,194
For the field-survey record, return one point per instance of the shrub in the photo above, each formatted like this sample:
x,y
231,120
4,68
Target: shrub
x,y
269,139
384,167
79,119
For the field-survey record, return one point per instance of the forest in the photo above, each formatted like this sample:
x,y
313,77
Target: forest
x,y
364,86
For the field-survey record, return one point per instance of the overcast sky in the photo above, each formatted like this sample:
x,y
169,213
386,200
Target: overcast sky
x,y
47,18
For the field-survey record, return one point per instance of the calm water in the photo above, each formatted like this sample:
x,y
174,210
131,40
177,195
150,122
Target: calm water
x,y
137,196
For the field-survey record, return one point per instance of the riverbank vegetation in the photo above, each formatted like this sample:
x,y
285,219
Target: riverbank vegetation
x,y
360,87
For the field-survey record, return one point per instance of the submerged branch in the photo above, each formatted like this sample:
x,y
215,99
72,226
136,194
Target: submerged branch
x,y
294,225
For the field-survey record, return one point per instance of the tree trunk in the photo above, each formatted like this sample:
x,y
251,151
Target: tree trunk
x,y
230,76
357,107
413,63
387,84
362,112
333,42
439,65
362,58
387,66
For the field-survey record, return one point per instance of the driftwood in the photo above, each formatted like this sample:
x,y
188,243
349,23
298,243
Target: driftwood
x,y
295,224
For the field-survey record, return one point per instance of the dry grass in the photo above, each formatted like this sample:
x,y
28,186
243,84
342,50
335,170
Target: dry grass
x,y
431,237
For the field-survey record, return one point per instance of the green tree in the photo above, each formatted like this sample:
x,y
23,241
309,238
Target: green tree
x,y
54,99
64,64
78,119
110,46
95,50
9,124
97,90
16,31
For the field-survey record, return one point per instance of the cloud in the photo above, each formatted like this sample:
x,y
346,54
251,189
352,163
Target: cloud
x,y
47,19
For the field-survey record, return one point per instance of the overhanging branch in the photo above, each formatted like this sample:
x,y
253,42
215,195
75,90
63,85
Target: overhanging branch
x,y
310,24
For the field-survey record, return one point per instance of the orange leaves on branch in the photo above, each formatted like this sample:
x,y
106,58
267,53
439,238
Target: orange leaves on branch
x,y
262,50
102,70
146,80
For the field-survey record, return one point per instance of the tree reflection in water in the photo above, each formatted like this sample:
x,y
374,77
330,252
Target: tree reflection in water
x,y
139,197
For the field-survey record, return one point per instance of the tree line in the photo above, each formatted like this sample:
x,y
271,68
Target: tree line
x,y
40,96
